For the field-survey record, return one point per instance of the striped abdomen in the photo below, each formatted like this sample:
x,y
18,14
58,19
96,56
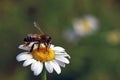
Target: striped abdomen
x,y
29,39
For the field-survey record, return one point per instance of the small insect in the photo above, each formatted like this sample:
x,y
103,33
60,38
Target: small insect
x,y
37,39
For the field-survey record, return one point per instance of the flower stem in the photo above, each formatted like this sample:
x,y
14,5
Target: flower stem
x,y
44,77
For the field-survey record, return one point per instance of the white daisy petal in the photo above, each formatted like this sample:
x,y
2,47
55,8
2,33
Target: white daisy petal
x,y
51,46
55,66
62,59
21,46
59,49
23,56
49,67
62,54
27,48
33,66
60,63
28,62
39,68
36,69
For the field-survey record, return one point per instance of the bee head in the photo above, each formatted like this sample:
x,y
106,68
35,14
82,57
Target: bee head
x,y
48,39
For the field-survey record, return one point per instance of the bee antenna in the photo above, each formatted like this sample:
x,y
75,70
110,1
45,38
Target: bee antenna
x,y
36,26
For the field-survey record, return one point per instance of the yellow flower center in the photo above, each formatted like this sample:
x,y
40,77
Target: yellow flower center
x,y
43,54
113,38
86,26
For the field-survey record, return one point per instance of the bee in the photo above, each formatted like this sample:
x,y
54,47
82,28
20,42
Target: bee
x,y
37,39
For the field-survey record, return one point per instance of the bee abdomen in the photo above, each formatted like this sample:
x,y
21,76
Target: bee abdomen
x,y
29,39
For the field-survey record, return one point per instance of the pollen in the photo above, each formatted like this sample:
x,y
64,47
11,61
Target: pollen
x,y
43,54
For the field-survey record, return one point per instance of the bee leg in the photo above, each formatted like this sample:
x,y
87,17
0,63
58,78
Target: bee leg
x,y
49,45
38,46
26,44
32,48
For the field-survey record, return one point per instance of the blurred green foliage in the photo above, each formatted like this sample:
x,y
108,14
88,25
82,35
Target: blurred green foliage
x,y
92,58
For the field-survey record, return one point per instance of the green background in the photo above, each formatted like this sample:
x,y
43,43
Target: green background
x,y
92,57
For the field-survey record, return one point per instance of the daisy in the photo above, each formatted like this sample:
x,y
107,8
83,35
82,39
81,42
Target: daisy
x,y
113,37
85,26
51,58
